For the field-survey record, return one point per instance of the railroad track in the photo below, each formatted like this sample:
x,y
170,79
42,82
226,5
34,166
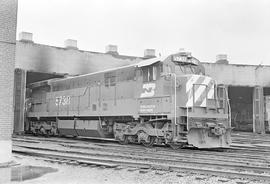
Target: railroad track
x,y
159,152
161,159
235,153
239,162
146,163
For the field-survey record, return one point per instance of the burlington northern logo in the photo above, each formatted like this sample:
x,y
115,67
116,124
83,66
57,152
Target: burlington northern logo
x,y
148,90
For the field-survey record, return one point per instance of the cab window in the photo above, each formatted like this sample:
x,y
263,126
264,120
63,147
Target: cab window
x,y
110,79
149,73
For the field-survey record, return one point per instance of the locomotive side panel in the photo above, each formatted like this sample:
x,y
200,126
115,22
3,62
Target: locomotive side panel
x,y
154,106
105,94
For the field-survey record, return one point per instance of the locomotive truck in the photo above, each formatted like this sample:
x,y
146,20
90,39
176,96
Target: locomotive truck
x,y
167,100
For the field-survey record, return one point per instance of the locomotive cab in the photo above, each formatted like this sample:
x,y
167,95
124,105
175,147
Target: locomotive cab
x,y
195,106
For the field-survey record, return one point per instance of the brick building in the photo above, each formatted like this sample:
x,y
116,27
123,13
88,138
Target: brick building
x,y
8,24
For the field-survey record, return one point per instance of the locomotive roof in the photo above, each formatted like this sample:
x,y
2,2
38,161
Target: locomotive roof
x,y
151,61
142,63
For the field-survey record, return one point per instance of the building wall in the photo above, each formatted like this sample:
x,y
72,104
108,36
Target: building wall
x,y
44,58
8,23
239,75
19,100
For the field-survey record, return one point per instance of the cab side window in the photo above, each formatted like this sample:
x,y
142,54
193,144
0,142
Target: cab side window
x,y
110,79
149,73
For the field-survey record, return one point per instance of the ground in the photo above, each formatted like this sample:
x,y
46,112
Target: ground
x,y
77,174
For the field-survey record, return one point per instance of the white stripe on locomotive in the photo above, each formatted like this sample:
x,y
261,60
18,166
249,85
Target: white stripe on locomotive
x,y
202,89
199,90
191,81
211,90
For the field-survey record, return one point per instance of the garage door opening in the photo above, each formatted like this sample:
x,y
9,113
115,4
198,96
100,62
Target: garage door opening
x,y
241,101
266,94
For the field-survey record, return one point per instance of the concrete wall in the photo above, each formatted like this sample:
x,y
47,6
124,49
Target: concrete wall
x,y
8,23
239,75
256,77
43,58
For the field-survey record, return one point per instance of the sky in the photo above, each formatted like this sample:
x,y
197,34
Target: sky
x,y
238,28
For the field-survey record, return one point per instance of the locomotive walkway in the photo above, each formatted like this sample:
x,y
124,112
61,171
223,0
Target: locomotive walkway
x,y
248,158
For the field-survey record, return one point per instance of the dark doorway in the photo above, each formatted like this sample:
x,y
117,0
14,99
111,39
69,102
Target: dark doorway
x,y
266,94
241,101
266,91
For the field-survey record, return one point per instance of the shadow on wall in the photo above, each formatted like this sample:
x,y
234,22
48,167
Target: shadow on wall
x,y
42,62
42,58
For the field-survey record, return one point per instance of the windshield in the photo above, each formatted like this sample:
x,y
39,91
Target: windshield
x,y
186,64
181,69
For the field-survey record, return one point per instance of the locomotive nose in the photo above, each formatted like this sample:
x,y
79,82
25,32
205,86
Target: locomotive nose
x,y
195,90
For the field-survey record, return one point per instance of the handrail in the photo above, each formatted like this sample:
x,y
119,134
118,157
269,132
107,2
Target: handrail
x,y
229,107
187,119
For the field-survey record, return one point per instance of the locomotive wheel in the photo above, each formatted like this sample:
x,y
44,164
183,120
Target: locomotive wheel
x,y
150,143
42,131
53,132
175,146
125,141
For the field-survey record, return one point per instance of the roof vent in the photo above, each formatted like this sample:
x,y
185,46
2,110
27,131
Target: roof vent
x,y
26,37
182,50
222,59
70,44
111,49
149,53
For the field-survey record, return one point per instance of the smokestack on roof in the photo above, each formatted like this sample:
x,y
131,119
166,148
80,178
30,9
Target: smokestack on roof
x,y
111,49
149,53
222,59
26,37
70,44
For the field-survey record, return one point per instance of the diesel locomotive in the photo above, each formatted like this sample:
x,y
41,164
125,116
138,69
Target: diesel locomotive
x,y
166,100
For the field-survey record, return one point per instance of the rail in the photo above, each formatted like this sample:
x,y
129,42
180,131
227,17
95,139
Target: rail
x,y
229,107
